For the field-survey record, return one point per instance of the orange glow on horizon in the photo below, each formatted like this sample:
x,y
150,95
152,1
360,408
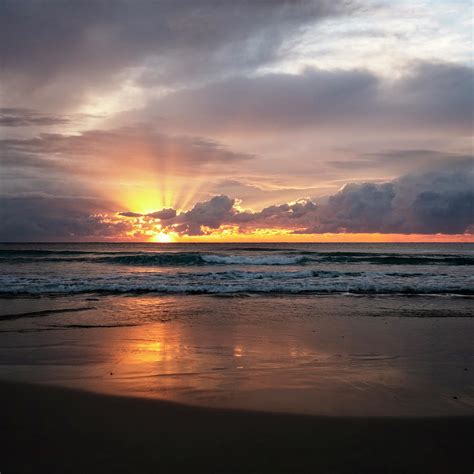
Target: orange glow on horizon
x,y
163,238
146,229
227,235
287,237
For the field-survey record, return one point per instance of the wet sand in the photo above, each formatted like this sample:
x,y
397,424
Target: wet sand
x,y
46,429
372,385
320,356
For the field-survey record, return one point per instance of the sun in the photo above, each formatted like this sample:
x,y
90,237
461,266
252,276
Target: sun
x,y
162,238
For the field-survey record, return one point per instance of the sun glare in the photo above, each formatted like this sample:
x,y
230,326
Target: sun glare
x,y
162,238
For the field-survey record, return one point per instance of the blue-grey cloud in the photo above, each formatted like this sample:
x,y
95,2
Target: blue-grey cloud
x,y
20,117
40,217
52,42
438,201
106,151
163,214
427,96
130,214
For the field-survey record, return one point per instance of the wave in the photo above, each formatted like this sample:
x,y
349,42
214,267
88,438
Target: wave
x,y
243,282
246,257
260,249
300,258
400,259
252,260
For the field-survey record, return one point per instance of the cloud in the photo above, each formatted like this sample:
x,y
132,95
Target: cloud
x,y
261,194
138,148
163,215
436,94
271,102
222,210
168,42
212,214
427,96
41,217
130,214
18,117
242,104
357,208
439,201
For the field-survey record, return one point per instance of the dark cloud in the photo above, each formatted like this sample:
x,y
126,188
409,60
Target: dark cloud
x,y
171,42
444,212
18,117
194,74
140,149
164,214
41,217
439,94
212,214
439,201
272,102
427,96
130,214
357,208
222,210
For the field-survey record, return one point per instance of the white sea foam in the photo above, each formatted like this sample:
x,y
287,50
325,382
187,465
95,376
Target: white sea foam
x,y
253,260
239,282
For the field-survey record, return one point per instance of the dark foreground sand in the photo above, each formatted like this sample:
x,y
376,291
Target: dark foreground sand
x,y
46,429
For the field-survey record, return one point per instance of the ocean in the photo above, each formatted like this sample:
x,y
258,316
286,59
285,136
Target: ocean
x,y
233,269
332,329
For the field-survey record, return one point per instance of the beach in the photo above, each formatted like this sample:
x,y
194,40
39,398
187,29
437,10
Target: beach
x,y
306,354
47,429
270,359
236,237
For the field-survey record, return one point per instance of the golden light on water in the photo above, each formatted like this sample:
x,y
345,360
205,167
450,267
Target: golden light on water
x,y
148,351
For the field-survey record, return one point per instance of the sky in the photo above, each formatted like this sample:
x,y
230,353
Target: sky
x,y
207,120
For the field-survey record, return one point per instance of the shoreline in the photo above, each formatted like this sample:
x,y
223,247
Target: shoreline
x,y
53,429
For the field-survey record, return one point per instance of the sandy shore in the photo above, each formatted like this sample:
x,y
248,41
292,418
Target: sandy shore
x,y
46,429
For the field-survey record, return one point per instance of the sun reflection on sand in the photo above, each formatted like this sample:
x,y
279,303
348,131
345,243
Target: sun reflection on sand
x,y
149,352
245,353
238,351
154,349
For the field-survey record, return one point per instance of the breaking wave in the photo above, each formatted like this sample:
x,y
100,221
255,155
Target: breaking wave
x,y
63,269
235,282
170,259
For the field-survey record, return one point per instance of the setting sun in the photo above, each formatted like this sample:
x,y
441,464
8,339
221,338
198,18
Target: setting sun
x,y
162,238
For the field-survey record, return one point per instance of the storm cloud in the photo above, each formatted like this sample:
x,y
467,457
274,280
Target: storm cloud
x,y
440,201
164,42
47,218
426,96
138,147
18,117
130,117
